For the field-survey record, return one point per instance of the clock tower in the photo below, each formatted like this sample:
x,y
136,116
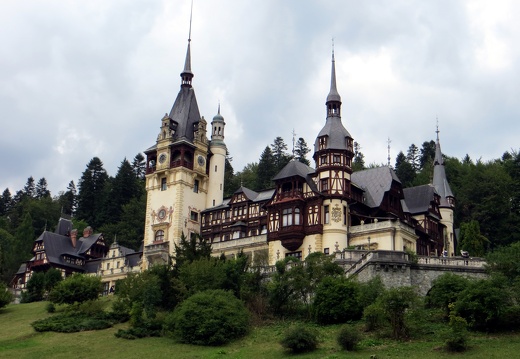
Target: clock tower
x,y
177,174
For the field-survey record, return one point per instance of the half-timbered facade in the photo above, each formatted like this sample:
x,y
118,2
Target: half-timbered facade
x,y
329,208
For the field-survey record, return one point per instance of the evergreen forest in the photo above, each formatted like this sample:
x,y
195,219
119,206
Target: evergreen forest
x,y
487,198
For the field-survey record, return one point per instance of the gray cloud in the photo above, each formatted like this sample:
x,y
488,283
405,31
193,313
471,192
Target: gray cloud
x,y
94,78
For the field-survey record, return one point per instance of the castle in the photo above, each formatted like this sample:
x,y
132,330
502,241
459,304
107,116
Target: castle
x,y
325,209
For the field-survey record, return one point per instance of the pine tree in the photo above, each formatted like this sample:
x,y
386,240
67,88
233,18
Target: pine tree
x,y
404,170
231,183
413,157
139,166
91,189
68,199
5,202
24,239
29,189
266,170
41,189
123,188
427,153
359,158
300,151
280,156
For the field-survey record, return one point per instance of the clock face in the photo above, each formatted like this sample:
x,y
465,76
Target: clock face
x,y
162,158
201,161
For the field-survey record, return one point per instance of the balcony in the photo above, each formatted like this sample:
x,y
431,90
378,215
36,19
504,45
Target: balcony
x,y
157,252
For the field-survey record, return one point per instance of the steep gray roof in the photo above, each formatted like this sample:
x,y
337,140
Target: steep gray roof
x,y
294,168
440,181
185,112
64,227
375,182
250,194
418,198
336,134
57,245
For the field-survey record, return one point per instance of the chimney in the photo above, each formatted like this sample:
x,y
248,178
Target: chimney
x,y
87,232
73,237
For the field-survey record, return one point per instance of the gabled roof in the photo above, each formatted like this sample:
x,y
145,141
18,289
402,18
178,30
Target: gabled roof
x,y
418,198
375,182
250,194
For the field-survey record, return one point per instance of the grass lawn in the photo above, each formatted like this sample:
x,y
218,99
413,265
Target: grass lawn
x,y
19,340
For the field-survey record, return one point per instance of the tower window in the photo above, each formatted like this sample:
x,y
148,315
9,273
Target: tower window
x,y
336,159
196,186
325,184
287,219
326,214
163,184
159,235
215,168
323,160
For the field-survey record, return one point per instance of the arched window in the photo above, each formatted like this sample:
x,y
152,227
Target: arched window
x,y
159,235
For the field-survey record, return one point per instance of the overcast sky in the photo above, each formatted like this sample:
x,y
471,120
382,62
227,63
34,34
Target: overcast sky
x,y
80,79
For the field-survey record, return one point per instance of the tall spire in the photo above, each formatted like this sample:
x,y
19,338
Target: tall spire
x,y
186,74
333,99
440,181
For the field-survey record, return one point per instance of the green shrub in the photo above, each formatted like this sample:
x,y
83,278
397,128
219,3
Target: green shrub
x,y
300,339
5,296
370,291
148,328
374,317
70,322
482,304
336,301
77,288
395,303
445,290
35,288
348,337
457,336
212,317
50,307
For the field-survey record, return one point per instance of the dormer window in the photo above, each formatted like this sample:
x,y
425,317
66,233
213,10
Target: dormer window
x,y
323,142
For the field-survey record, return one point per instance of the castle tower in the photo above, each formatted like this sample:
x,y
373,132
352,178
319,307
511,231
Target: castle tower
x,y
447,200
217,162
333,153
177,178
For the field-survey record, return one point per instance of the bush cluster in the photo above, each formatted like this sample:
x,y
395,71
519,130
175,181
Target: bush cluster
x,y
211,317
300,339
348,337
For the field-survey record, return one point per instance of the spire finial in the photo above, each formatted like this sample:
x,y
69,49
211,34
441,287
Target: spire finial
x,y
191,13
186,74
389,151
219,107
333,99
437,131
293,141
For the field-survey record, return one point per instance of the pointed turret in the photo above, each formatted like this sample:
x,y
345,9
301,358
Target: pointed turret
x,y
333,135
440,181
218,124
333,99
